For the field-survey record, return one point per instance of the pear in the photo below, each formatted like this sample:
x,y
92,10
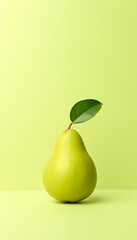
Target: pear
x,y
70,174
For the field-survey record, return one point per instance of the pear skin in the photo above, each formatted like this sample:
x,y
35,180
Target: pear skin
x,y
70,174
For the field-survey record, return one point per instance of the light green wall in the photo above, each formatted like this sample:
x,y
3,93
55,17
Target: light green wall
x,y
53,54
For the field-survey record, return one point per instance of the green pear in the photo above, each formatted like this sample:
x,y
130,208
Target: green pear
x,y
70,174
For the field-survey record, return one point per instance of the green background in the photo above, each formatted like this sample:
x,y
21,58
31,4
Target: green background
x,y
53,54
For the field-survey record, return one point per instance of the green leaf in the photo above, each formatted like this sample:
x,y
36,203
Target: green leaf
x,y
83,110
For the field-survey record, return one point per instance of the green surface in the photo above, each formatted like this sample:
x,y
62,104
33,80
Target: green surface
x,y
33,215
53,54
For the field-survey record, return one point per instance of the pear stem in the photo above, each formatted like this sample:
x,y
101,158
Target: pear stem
x,y
69,126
